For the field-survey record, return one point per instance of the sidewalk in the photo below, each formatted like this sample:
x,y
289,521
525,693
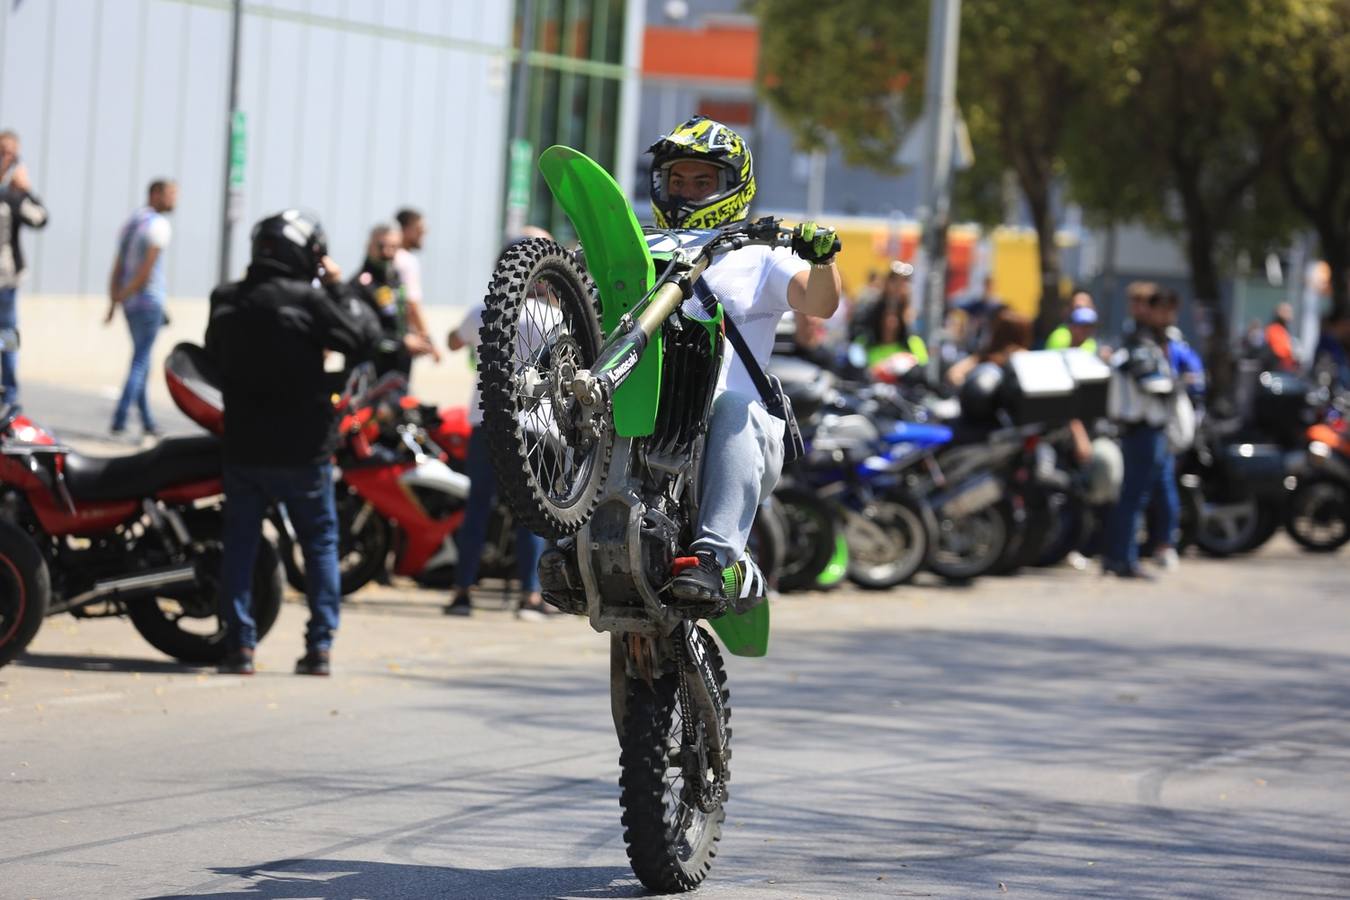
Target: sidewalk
x,y
66,344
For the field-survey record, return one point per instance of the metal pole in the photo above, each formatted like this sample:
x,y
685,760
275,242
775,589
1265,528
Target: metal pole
x,y
944,31
230,194
815,185
520,168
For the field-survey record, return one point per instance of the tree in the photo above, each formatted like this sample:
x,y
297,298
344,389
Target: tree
x,y
1313,103
1185,134
854,69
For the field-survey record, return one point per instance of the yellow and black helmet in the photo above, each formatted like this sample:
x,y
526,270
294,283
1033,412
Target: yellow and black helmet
x,y
702,140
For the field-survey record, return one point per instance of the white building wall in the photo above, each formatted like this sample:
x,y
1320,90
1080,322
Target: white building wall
x,y
355,108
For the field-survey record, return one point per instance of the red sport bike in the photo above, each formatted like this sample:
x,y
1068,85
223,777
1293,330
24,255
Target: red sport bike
x,y
401,488
136,535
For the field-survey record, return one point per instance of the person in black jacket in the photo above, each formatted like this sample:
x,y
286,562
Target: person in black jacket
x,y
381,287
268,335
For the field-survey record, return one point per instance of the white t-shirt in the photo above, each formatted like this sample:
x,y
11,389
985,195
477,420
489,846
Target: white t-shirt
x,y
752,284
538,320
409,269
159,232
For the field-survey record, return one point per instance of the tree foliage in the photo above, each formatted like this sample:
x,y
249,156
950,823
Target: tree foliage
x,y
1183,134
1225,122
854,69
1312,107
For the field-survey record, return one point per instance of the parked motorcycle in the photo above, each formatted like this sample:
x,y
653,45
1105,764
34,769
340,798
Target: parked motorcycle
x,y
858,467
136,535
1239,474
401,490
1318,516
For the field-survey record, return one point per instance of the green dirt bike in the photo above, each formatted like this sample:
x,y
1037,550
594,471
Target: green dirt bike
x,y
596,397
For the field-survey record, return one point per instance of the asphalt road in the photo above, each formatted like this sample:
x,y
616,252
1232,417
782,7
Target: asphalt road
x,y
1051,735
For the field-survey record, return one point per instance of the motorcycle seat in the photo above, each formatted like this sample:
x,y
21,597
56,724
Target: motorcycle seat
x,y
174,460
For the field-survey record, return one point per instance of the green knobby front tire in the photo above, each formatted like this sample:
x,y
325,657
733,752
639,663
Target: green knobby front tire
x,y
540,324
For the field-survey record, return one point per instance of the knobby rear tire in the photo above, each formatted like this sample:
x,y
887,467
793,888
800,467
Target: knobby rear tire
x,y
658,849
522,268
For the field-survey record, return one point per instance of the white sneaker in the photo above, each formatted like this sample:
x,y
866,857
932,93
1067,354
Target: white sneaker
x,y
1167,559
1077,560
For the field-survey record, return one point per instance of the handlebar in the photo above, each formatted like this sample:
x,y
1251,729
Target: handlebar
x,y
766,231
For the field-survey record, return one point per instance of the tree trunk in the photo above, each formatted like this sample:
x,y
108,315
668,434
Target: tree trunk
x,y
1048,315
1212,319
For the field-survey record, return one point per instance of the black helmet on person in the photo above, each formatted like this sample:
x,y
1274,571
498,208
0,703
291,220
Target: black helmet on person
x,y
290,244
704,140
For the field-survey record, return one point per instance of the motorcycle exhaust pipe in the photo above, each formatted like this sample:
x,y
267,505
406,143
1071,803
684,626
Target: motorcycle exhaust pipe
x,y
970,497
140,583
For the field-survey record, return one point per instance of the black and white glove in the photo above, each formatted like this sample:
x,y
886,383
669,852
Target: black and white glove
x,y
815,243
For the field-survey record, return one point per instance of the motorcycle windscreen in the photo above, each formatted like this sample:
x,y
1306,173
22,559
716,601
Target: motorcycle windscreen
x,y
744,634
617,258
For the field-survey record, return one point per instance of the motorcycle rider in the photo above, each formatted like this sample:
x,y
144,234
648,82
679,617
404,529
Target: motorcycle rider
x,y
381,287
703,177
268,334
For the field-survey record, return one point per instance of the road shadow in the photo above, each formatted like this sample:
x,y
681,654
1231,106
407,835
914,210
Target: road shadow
x,y
340,879
105,664
1208,741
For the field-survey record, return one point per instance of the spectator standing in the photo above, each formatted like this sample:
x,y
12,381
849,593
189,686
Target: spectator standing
x,y
1078,331
137,285
268,335
483,485
885,329
1331,362
413,227
18,208
1009,332
378,283
980,311
1280,349
1142,385
1164,511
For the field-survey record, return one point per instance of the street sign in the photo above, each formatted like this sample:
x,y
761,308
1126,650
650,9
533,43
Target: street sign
x,y
234,208
522,159
238,154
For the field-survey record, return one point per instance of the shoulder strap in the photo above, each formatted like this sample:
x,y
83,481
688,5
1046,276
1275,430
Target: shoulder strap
x,y
767,392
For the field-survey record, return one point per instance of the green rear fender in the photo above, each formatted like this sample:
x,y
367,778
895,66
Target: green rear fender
x,y
744,634
618,260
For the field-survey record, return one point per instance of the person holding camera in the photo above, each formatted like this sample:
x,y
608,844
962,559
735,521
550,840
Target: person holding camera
x,y
268,336
19,208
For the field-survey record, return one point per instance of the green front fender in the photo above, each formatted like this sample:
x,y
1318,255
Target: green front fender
x,y
618,260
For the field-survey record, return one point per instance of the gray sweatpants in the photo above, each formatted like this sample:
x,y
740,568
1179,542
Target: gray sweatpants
x,y
741,465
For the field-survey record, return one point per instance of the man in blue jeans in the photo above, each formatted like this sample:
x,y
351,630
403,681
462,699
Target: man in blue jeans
x,y
268,335
472,532
1142,384
18,208
137,285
